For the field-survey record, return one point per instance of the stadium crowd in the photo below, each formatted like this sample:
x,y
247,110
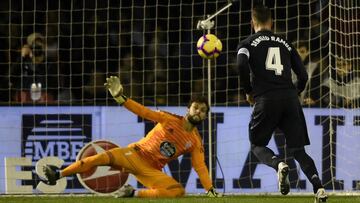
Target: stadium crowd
x,y
152,49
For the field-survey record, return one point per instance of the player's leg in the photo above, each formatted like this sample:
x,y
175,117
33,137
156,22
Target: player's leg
x,y
159,184
261,127
307,166
115,156
52,173
266,156
264,120
294,127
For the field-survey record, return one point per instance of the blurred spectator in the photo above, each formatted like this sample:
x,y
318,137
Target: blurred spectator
x,y
235,95
344,84
94,91
341,90
317,88
130,76
302,48
32,77
156,83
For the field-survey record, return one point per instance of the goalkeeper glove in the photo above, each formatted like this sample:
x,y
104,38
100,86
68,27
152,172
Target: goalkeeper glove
x,y
212,193
116,89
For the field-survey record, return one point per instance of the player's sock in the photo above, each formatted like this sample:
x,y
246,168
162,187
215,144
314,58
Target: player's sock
x,y
316,182
266,156
86,164
308,167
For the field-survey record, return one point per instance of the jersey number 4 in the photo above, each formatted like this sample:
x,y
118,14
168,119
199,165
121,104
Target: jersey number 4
x,y
273,60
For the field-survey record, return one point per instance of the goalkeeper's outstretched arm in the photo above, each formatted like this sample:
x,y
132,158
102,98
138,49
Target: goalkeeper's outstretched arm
x,y
117,91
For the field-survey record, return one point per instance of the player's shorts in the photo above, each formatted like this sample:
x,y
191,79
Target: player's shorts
x,y
277,112
129,159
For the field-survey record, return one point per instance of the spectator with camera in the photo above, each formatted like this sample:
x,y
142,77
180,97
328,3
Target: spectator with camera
x,y
33,78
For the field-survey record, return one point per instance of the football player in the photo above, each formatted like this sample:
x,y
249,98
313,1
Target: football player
x,y
265,61
172,136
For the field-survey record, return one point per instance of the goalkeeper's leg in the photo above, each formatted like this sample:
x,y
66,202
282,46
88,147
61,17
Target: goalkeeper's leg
x,y
159,185
52,173
111,157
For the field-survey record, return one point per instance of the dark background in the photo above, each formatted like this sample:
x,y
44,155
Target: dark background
x,y
151,45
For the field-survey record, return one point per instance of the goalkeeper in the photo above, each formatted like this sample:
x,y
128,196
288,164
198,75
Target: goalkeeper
x,y
171,137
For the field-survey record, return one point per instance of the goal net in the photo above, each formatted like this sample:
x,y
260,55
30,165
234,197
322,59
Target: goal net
x,y
55,57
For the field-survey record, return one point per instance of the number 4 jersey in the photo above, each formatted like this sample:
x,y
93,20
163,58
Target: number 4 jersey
x,y
265,61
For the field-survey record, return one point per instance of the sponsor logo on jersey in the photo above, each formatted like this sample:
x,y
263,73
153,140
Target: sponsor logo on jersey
x,y
167,149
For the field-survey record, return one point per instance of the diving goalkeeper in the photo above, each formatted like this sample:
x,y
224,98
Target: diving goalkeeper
x,y
172,136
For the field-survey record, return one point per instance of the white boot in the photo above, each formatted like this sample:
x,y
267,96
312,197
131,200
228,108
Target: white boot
x,y
320,196
283,178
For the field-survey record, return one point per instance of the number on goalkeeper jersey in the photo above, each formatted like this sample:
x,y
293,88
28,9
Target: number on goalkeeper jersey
x,y
273,60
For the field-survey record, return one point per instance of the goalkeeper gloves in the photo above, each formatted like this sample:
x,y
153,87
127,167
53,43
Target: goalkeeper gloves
x,y
116,89
212,193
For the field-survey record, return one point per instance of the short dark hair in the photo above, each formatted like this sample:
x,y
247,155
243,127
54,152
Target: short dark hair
x,y
199,99
261,14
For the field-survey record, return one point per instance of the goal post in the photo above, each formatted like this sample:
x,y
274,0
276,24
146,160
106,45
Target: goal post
x,y
207,24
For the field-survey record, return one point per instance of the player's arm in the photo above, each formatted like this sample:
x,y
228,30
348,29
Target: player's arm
x,y
116,90
243,55
198,162
299,69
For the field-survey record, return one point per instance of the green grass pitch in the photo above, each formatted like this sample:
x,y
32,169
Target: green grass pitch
x,y
187,199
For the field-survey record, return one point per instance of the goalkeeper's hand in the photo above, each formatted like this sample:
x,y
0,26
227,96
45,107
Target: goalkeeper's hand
x,y
115,88
212,193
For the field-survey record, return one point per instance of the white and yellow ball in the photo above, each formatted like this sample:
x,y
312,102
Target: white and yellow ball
x,y
209,46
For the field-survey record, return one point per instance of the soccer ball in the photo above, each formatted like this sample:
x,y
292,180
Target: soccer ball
x,y
209,46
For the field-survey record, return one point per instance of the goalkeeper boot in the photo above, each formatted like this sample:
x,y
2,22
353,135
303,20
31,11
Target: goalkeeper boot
x,y
52,174
283,178
125,191
320,196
